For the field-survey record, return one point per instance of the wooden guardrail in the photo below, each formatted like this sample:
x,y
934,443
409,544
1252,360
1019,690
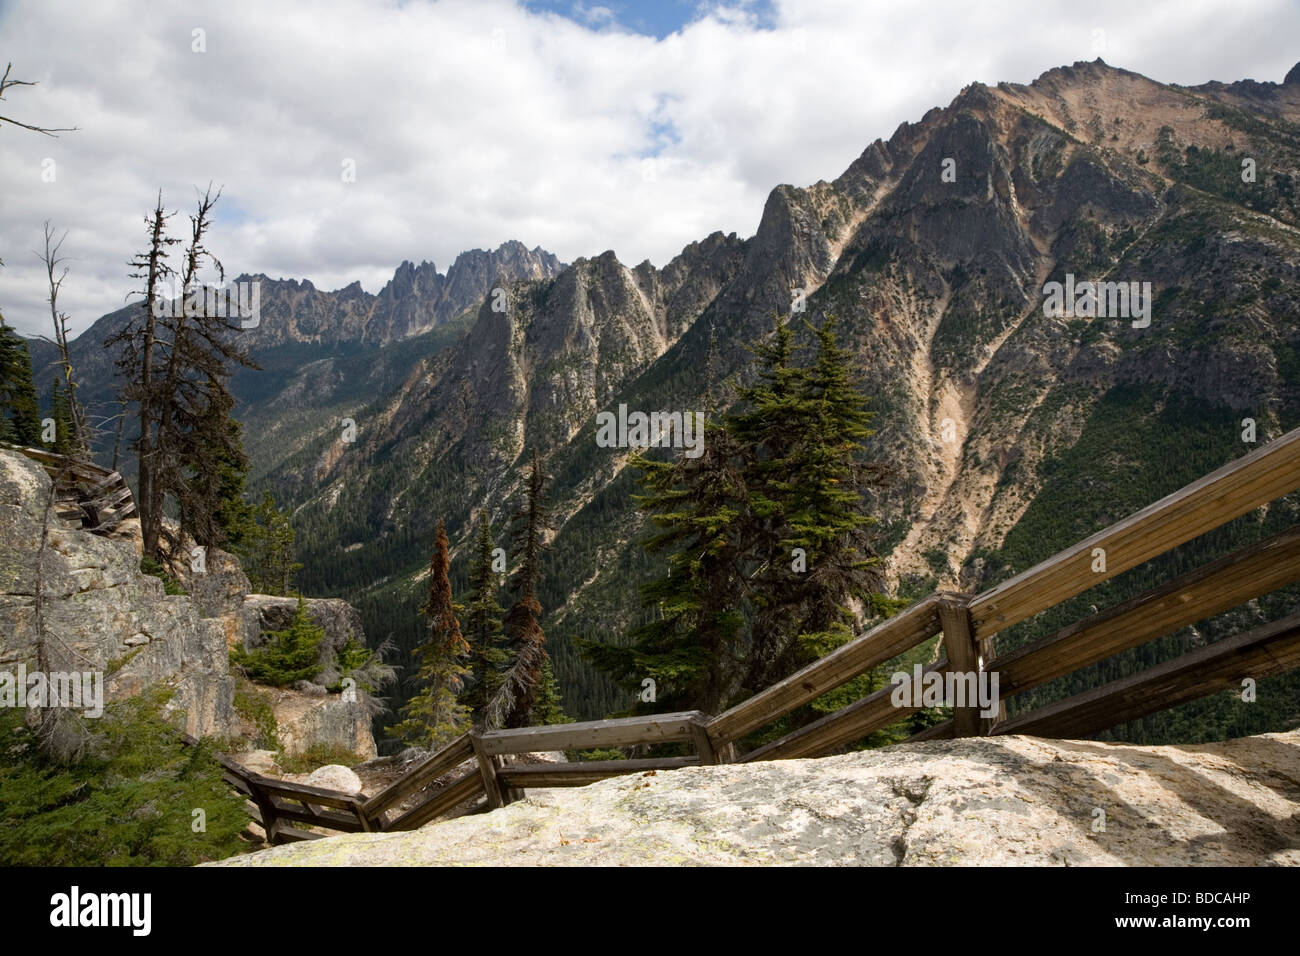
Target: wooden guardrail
x,y
967,625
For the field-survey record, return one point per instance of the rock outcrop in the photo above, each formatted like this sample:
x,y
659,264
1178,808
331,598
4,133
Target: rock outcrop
x,y
981,801
305,720
100,613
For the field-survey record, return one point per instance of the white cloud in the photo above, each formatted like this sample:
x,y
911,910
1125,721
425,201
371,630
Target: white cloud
x,y
475,122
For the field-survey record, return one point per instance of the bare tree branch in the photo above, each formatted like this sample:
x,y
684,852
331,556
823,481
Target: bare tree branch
x,y
6,83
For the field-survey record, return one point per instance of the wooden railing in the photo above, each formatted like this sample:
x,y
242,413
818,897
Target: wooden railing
x,y
967,625
97,497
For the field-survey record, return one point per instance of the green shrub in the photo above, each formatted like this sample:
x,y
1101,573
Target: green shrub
x,y
287,656
130,802
170,584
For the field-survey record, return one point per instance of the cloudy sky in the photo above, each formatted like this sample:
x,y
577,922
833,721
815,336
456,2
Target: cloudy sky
x,y
576,126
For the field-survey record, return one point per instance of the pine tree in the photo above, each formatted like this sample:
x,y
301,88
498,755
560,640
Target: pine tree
x,y
434,716
483,626
287,656
769,427
691,648
548,708
214,512
826,514
265,549
61,413
137,362
808,431
78,440
20,416
512,704
177,362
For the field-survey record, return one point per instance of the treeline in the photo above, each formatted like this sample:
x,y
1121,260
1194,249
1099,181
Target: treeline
x,y
495,672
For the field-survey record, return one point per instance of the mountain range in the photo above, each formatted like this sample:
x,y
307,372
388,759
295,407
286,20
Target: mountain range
x,y
1008,432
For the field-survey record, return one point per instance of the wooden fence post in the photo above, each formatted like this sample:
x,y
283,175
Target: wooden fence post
x,y
964,656
487,765
703,746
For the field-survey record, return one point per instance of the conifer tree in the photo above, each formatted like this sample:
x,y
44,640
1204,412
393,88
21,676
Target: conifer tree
x,y
265,549
548,708
177,359
512,704
138,362
287,656
434,716
20,416
483,626
691,648
769,428
61,413
78,439
826,515
806,428
214,512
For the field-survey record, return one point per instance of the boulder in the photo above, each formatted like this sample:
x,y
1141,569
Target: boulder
x,y
311,720
991,801
334,777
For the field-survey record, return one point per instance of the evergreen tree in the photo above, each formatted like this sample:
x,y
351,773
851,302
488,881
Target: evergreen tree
x,y
61,412
769,428
691,648
20,415
434,716
78,440
512,704
548,708
287,656
265,549
483,626
138,363
825,510
804,430
214,512
177,360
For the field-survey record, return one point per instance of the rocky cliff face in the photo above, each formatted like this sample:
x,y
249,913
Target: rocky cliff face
x,y
101,614
993,801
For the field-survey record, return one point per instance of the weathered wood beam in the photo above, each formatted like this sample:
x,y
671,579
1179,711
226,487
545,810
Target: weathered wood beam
x,y
585,772
488,767
964,657
1263,651
443,800
883,642
846,725
421,775
1240,486
586,735
1208,590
